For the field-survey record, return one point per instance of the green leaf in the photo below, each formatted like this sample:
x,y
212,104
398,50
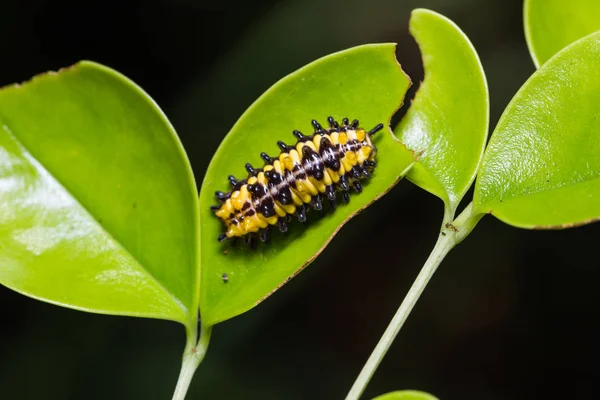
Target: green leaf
x,y
542,166
448,119
406,395
364,83
98,207
550,25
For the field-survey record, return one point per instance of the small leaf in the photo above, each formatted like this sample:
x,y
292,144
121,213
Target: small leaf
x,y
98,207
365,83
550,25
406,395
541,168
448,119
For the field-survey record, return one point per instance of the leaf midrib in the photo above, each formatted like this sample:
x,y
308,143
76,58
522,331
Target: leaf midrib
x,y
542,190
38,165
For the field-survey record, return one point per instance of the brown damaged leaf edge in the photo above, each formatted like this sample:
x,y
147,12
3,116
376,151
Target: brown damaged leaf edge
x,y
566,225
555,227
39,76
416,157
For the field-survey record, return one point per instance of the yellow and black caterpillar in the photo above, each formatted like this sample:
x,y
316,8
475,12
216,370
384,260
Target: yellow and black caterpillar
x,y
320,165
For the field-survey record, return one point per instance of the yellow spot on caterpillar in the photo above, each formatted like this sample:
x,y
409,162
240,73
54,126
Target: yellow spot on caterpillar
x,y
346,164
225,210
238,198
267,220
296,198
366,150
351,157
363,154
234,230
326,177
334,138
295,157
311,145
317,141
300,187
318,185
301,191
279,210
360,135
290,208
335,177
343,138
287,161
262,179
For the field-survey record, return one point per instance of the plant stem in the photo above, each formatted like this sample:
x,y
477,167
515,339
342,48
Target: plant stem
x,y
192,357
450,236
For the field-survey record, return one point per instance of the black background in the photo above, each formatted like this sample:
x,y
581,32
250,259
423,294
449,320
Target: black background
x,y
511,314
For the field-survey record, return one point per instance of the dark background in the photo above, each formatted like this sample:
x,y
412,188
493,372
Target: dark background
x,y
511,314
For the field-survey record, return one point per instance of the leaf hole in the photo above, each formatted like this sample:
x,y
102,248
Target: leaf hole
x,y
410,58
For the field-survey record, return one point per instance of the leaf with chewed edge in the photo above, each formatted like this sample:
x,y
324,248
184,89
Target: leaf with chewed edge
x,y
541,168
448,119
365,83
98,205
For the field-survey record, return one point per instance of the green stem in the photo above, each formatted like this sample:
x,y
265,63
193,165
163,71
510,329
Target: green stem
x,y
450,236
192,357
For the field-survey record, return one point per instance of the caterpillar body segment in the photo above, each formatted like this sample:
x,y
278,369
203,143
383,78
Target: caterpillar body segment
x,y
317,167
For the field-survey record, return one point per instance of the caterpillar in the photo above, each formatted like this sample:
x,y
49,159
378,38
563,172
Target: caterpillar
x,y
318,166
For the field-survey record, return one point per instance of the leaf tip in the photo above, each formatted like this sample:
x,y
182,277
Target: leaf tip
x,y
421,11
528,34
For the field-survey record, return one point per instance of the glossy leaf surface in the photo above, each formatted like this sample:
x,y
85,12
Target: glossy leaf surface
x,y
406,395
365,83
98,207
448,119
551,25
542,166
